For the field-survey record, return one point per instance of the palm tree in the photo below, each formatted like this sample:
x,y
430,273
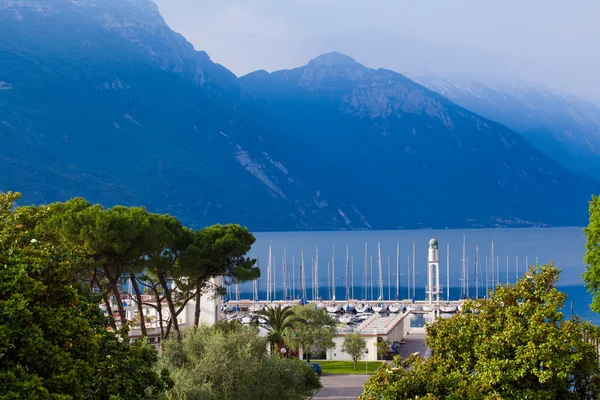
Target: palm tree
x,y
279,321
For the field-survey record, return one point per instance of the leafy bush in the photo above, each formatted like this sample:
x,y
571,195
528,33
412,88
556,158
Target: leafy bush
x,y
231,362
517,345
311,379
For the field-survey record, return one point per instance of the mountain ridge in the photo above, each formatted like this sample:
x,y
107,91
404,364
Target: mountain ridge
x,y
101,101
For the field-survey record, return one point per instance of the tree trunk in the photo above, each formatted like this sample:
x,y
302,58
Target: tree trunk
x,y
308,357
114,285
163,282
354,364
138,300
198,298
93,280
159,311
111,319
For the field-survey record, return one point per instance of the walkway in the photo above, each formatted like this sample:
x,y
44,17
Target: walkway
x,y
342,387
414,342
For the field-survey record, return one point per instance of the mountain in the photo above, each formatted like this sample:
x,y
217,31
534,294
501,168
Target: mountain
x,y
566,128
101,99
414,155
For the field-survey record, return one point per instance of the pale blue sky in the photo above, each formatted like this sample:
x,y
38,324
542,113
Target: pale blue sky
x,y
553,42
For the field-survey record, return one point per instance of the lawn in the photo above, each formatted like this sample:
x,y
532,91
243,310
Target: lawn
x,y
347,367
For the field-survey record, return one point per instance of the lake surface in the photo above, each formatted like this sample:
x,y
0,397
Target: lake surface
x,y
563,246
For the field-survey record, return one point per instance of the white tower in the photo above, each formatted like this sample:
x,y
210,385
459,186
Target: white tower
x,y
433,272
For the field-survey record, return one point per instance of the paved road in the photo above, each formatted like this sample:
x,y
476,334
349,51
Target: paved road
x,y
341,387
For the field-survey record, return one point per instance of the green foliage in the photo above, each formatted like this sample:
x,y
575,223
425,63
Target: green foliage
x,y
313,332
231,362
281,321
591,276
516,345
354,345
54,341
383,346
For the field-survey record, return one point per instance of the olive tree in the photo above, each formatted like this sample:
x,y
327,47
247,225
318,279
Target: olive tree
x,y
313,331
354,345
231,362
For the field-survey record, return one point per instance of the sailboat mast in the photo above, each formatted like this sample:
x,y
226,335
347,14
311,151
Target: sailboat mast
x,y
333,272
448,272
329,279
371,283
269,275
477,271
408,275
352,260
317,273
466,268
274,280
293,278
389,278
347,275
493,270
414,271
302,277
380,272
312,278
364,291
463,292
397,271
487,288
284,270
497,270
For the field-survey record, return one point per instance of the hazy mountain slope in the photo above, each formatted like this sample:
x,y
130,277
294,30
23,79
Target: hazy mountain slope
x,y
565,128
416,157
101,99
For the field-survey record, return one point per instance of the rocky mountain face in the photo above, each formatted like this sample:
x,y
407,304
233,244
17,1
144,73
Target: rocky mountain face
x,y
566,128
100,99
415,155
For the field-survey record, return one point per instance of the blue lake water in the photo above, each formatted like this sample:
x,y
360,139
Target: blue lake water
x,y
563,246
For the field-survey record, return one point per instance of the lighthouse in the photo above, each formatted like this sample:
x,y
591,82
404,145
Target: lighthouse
x,y
433,273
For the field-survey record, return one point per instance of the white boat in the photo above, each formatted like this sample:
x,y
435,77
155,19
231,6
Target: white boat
x,y
361,308
350,307
346,319
262,321
448,308
395,307
413,307
363,316
379,308
321,305
333,308
428,307
246,320
255,307
228,308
